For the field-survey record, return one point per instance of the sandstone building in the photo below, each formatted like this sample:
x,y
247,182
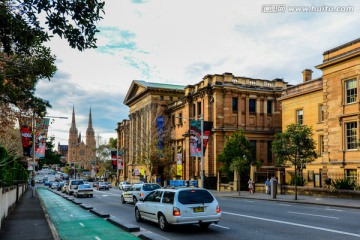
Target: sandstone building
x,y
79,152
331,106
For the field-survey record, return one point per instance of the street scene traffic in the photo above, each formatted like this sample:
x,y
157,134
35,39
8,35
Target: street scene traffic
x,y
240,216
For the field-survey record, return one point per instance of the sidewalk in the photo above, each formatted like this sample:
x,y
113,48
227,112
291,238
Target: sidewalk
x,y
290,198
28,220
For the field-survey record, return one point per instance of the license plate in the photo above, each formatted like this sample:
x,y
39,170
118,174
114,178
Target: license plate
x,y
85,192
198,209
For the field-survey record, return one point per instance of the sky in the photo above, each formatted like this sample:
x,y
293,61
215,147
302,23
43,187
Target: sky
x,y
181,41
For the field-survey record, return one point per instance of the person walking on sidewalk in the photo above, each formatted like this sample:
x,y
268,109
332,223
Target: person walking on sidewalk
x,y
267,185
251,186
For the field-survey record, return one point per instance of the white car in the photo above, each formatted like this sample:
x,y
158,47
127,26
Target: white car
x,y
179,206
124,185
137,191
84,190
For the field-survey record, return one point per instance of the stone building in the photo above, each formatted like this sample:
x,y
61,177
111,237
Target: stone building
x,y
229,102
330,105
146,101
79,152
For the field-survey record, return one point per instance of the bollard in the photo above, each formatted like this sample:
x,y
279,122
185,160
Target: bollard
x,y
273,188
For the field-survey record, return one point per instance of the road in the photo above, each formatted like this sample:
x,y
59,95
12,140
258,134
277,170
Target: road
x,y
247,219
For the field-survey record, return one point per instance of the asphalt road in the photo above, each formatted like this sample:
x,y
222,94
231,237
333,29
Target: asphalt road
x,y
248,219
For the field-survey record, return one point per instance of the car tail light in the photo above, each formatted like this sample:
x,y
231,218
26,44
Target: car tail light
x,y
218,210
176,211
141,194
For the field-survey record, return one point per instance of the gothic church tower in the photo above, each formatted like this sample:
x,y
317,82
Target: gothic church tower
x,y
79,152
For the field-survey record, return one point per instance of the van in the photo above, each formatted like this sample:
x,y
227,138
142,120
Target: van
x,y
73,184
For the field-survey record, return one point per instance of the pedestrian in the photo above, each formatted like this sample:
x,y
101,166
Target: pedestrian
x,y
267,186
251,185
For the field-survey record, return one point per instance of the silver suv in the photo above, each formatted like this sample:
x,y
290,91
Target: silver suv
x,y
137,191
72,185
179,206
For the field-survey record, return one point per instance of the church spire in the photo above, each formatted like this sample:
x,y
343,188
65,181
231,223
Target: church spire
x,y
73,129
90,130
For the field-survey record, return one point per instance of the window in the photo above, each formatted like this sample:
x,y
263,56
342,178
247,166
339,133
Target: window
x,y
180,118
269,107
234,104
321,145
195,196
350,91
299,116
168,197
252,105
161,98
269,153
171,98
199,108
351,132
193,110
351,174
173,120
253,149
321,113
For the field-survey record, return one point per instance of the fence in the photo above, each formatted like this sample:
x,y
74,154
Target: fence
x,y
318,179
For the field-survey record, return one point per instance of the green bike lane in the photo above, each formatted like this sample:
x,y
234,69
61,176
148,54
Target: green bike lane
x,y
73,222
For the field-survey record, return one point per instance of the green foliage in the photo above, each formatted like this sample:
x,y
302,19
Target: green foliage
x,y
51,156
113,143
298,181
295,146
236,155
24,59
345,183
11,169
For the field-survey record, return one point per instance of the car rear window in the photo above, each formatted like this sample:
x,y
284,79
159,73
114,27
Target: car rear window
x,y
151,187
84,186
195,196
77,182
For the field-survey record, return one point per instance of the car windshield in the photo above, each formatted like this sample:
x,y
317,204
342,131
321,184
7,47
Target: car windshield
x,y
77,182
195,196
151,187
101,183
126,183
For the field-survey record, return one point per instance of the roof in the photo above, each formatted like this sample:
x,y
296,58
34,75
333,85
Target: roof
x,y
160,85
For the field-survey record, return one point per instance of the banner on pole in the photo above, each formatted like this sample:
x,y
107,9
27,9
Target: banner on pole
x,y
195,137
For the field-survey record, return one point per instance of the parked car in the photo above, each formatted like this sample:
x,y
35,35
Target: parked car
x,y
179,206
102,185
64,188
124,185
83,190
95,184
73,184
109,184
47,183
54,185
61,184
137,191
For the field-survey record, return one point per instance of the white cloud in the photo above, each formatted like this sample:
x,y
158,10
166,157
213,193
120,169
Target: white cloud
x,y
180,41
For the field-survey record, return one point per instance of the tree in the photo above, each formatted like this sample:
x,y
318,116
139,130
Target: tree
x,y
294,146
51,156
236,155
24,59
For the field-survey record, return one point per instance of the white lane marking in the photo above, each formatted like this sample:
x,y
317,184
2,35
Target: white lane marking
x,y
313,215
71,215
336,210
81,224
110,193
282,204
97,238
294,224
217,225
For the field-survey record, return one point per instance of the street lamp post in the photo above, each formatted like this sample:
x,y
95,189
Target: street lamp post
x,y
202,148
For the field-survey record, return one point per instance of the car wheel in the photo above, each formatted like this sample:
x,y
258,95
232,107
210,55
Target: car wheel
x,y
204,225
137,215
163,224
122,200
134,200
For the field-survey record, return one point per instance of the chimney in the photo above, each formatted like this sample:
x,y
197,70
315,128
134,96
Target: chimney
x,y
307,74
